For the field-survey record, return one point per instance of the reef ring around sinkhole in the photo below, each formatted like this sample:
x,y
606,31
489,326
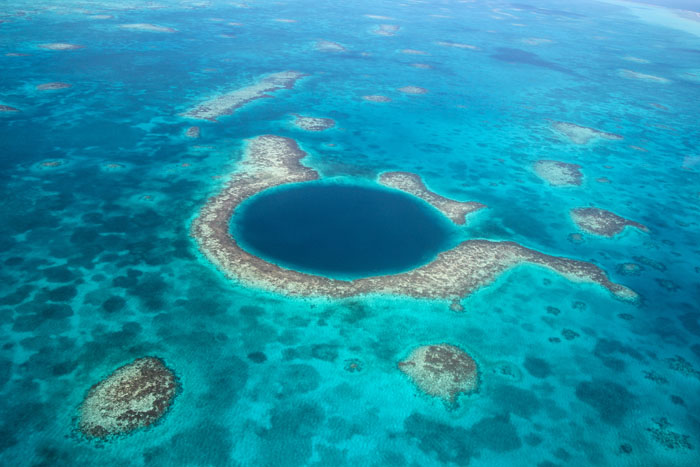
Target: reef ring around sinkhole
x,y
271,161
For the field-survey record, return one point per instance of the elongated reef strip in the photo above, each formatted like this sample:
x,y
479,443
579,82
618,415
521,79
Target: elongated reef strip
x,y
134,396
578,134
228,103
601,222
411,183
271,161
56,85
146,27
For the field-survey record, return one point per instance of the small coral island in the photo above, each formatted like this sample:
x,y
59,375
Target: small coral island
x,y
578,134
270,161
135,396
601,222
443,371
313,123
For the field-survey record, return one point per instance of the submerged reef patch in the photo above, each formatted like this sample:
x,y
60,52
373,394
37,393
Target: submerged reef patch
x,y
601,222
456,211
134,396
386,29
457,45
558,173
661,433
413,90
228,103
377,98
643,77
329,46
146,27
7,108
53,86
443,371
60,46
270,161
313,123
578,134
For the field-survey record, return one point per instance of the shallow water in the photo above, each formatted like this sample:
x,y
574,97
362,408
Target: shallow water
x,y
97,267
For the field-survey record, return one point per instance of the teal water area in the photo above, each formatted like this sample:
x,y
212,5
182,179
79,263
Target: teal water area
x,y
341,230
97,266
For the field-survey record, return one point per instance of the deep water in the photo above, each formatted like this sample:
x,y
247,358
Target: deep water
x,y
97,266
341,230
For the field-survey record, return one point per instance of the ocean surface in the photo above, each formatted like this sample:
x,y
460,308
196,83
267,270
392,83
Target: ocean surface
x,y
99,184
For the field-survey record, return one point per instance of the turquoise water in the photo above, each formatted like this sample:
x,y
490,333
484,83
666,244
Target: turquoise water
x,y
97,266
341,230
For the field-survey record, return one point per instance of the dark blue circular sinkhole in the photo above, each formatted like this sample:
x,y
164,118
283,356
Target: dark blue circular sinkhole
x,y
340,230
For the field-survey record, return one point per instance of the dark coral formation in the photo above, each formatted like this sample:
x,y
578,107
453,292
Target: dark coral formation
x,y
661,433
601,222
682,366
353,365
7,108
442,371
629,269
272,161
134,396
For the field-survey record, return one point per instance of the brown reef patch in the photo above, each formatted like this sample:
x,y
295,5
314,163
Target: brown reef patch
x,y
422,66
411,183
7,108
413,52
313,123
443,371
53,86
414,90
270,161
134,396
558,173
578,134
193,132
601,222
228,103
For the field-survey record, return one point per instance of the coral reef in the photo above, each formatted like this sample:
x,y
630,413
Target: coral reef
x,y
578,134
228,103
313,123
271,160
661,433
413,52
7,108
558,173
601,222
682,366
443,371
386,29
376,98
413,90
193,132
328,46
629,269
52,86
146,27
457,45
134,396
456,211
641,76
60,46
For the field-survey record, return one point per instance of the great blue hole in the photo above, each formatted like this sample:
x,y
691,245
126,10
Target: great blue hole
x,y
340,230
